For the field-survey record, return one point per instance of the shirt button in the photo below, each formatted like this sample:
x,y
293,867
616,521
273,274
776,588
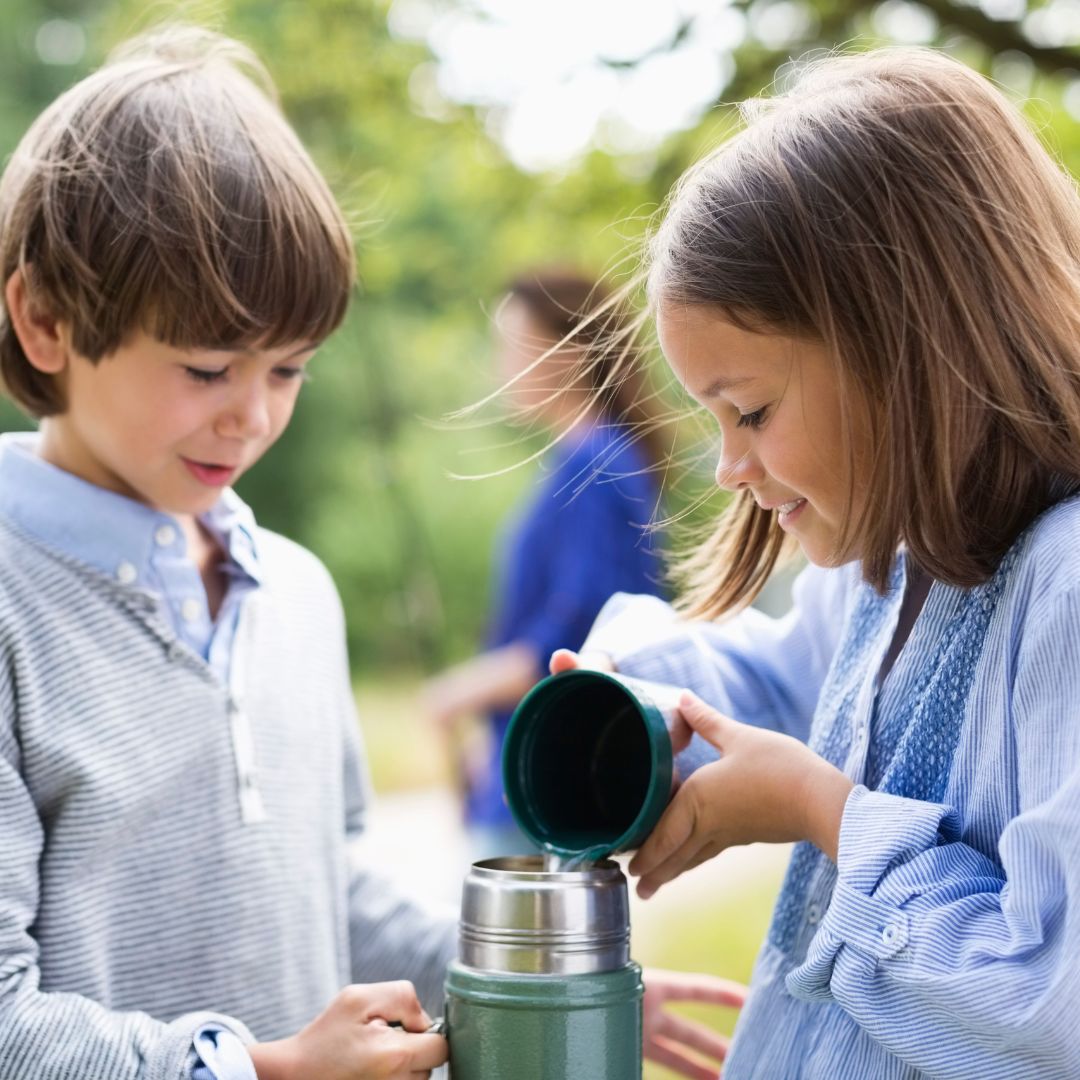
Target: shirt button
x,y
813,914
126,573
190,609
164,535
892,935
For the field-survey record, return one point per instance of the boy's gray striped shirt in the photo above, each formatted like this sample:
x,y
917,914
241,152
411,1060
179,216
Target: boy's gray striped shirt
x,y
135,903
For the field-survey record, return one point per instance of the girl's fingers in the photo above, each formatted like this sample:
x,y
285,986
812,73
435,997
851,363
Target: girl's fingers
x,y
669,869
696,1036
567,660
563,660
678,864
674,829
690,986
677,1060
711,725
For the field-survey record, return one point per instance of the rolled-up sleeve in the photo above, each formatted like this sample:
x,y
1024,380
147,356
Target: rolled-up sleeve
x,y
757,669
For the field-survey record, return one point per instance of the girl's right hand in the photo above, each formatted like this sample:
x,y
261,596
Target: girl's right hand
x,y
567,660
353,1040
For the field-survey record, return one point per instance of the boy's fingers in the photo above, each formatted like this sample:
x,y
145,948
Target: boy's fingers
x,y
427,1052
396,1002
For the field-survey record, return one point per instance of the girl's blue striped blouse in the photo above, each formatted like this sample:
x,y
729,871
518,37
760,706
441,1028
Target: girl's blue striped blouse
x,y
945,941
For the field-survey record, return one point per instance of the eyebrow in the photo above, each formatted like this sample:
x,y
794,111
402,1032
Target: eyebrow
x,y
719,386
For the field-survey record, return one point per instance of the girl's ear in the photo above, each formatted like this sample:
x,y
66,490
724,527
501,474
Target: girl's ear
x,y
41,335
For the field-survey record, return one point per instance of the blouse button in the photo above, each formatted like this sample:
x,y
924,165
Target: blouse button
x,y
893,936
126,573
813,914
164,535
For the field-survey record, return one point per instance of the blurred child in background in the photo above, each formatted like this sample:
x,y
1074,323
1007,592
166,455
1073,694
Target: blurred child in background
x,y
580,535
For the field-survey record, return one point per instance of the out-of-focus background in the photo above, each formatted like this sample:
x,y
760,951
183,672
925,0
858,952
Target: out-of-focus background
x,y
469,139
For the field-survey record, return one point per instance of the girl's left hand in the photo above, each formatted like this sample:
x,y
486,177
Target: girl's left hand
x,y
766,786
667,1038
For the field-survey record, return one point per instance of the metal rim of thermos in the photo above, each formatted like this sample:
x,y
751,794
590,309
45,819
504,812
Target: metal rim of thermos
x,y
518,918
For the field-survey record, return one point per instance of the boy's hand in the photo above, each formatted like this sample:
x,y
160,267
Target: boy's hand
x,y
766,786
567,660
667,1038
353,1040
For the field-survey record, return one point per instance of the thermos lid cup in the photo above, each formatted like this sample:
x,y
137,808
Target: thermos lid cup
x,y
587,764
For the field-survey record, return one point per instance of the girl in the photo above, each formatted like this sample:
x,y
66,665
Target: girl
x,y
580,535
875,290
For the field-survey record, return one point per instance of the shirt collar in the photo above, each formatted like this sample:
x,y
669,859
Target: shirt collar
x,y
57,507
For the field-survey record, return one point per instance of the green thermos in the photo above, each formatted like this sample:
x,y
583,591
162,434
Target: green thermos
x,y
544,987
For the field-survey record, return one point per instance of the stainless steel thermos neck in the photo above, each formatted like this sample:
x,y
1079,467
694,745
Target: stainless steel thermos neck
x,y
544,988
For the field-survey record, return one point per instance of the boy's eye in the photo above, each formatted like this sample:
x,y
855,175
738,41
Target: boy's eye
x,y
298,373
206,375
752,419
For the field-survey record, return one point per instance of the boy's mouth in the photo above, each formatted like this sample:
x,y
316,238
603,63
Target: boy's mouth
x,y
209,474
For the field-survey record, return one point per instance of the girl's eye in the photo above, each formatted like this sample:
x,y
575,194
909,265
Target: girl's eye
x,y
752,419
204,375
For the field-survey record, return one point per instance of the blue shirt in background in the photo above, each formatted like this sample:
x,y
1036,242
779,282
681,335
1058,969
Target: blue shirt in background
x,y
580,537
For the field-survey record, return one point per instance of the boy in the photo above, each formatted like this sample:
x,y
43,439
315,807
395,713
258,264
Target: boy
x,y
180,768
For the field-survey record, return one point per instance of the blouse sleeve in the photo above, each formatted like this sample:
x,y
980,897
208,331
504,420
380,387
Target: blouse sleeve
x,y
959,964
757,669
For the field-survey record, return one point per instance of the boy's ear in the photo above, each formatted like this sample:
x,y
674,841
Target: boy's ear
x,y
41,335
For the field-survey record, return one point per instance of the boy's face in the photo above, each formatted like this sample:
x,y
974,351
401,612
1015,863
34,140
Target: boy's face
x,y
172,427
778,403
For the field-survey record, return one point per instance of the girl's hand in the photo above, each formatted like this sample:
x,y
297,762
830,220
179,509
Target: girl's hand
x,y
666,1038
766,786
353,1040
566,660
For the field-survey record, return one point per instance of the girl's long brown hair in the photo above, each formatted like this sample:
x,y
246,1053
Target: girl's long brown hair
x,y
898,208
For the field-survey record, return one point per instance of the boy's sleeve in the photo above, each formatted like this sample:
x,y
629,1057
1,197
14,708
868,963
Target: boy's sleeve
x,y
60,1036
221,1056
961,965
757,669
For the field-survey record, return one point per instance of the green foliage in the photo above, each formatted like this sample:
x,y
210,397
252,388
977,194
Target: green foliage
x,y
443,219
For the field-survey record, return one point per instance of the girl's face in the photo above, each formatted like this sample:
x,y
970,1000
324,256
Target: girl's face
x,y
541,384
778,403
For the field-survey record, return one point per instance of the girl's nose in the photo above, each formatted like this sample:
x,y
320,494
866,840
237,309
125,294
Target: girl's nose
x,y
737,468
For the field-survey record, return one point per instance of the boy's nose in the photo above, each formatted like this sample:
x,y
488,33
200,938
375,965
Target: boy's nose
x,y
247,416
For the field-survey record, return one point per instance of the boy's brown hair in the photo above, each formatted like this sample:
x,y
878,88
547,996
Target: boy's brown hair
x,y
167,193
897,207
